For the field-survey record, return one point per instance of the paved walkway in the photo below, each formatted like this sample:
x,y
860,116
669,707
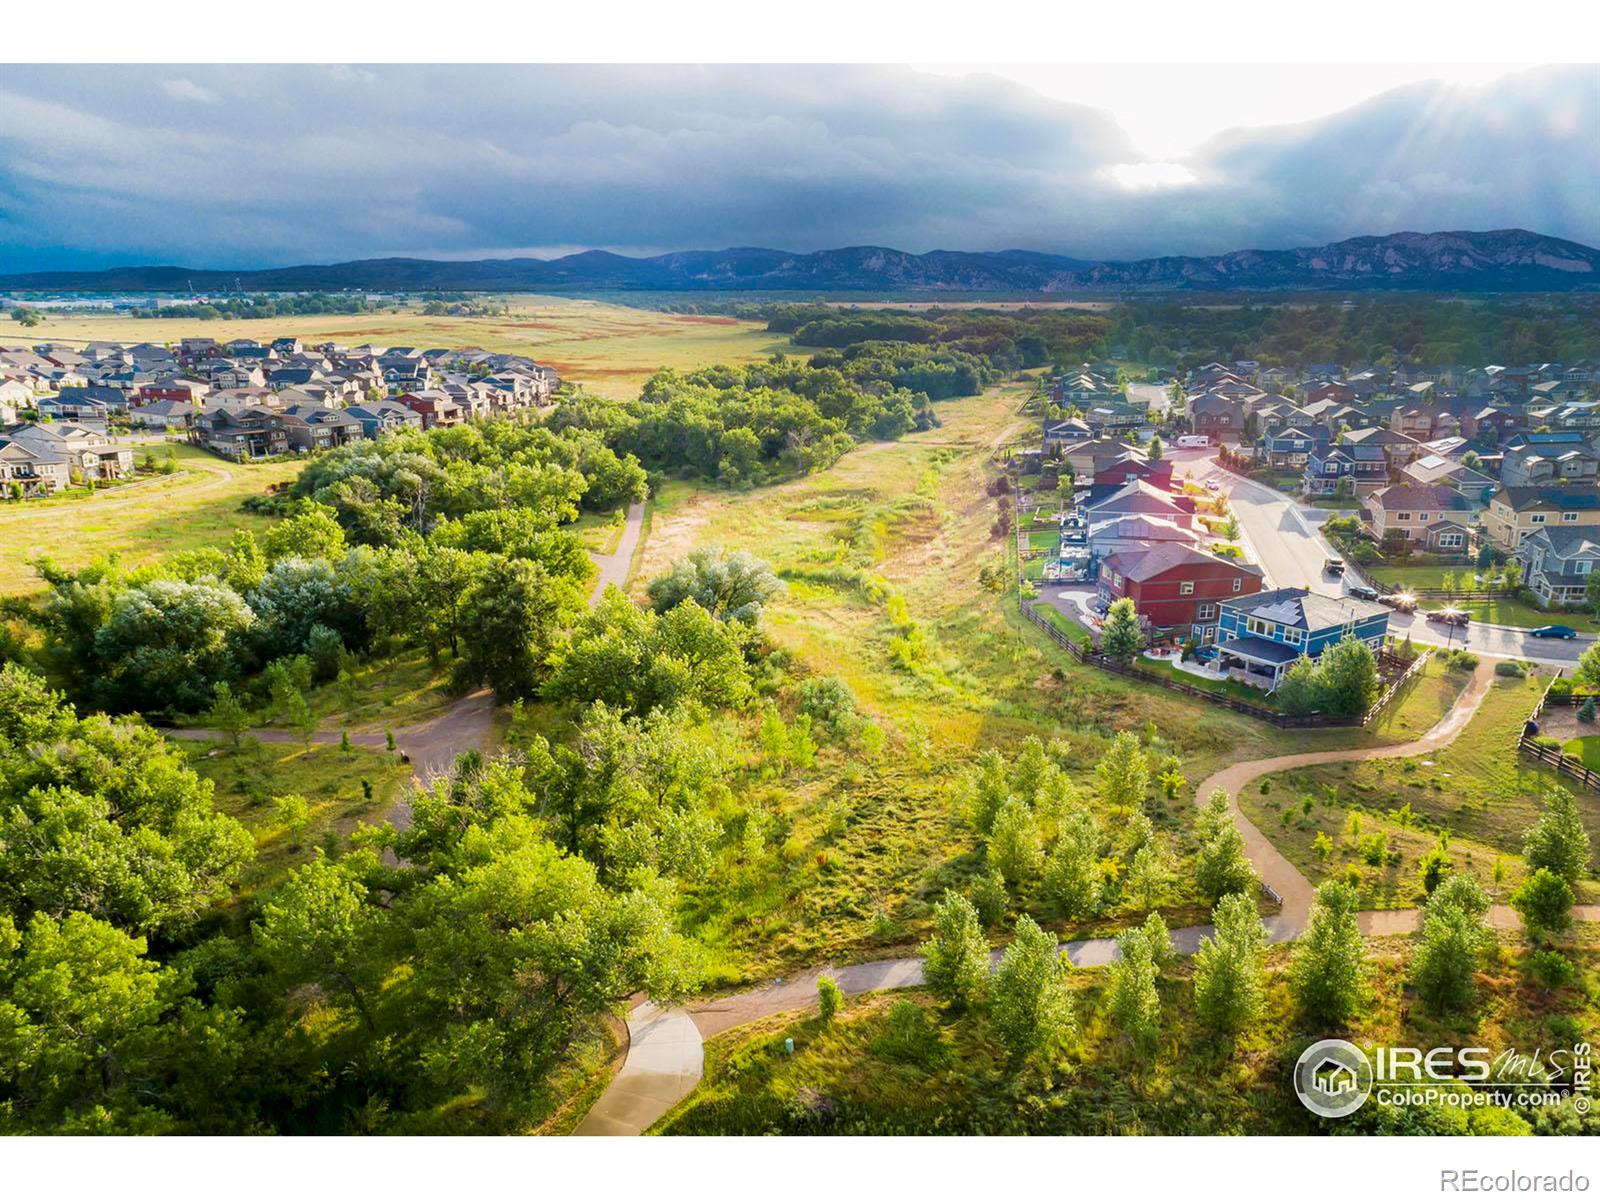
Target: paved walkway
x,y
671,1061
614,566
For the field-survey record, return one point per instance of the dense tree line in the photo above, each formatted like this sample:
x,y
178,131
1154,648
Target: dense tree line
x,y
744,425
256,308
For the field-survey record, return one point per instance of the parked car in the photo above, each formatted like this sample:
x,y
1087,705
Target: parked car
x,y
1362,592
1212,485
1449,616
1400,601
1334,566
1555,631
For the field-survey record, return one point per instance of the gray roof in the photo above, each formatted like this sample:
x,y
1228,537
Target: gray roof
x,y
1298,608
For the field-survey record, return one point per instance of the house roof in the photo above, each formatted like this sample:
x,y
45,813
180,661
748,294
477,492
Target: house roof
x,y
1140,565
1302,609
1141,528
1568,543
1419,497
1139,497
1526,499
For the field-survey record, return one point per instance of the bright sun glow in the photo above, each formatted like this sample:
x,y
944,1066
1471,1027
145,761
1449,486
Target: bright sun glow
x,y
1146,176
1170,109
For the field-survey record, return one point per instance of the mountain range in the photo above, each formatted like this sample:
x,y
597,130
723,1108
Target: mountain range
x,y
1512,260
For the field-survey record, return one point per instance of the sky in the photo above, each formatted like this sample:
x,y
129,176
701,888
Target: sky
x,y
274,165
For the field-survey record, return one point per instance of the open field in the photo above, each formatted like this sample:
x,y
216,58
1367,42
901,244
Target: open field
x,y
1479,790
608,348
949,1075
197,506
864,843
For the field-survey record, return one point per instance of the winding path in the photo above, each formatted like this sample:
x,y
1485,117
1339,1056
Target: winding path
x,y
666,1057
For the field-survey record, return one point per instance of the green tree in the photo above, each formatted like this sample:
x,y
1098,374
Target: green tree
x,y
1132,1001
1544,902
312,532
1155,450
1072,877
509,624
1229,984
955,960
1327,975
1349,672
1029,1010
1558,841
1221,866
1121,638
1013,846
1123,773
731,587
1451,944
165,645
228,714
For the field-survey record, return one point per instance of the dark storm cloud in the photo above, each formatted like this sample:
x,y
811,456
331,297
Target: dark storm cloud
x,y
272,165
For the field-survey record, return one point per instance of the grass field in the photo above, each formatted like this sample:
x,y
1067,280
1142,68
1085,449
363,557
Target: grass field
x,y
608,348
1502,610
197,506
949,1076
863,844
248,779
1478,790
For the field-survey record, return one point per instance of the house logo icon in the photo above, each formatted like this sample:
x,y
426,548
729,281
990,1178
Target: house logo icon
x,y
1333,1078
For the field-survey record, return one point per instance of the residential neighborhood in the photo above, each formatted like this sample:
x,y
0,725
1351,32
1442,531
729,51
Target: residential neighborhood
x,y
64,408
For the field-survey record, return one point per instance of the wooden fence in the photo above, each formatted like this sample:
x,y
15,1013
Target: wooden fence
x,y
1565,764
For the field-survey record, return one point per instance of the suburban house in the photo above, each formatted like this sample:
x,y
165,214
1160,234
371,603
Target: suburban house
x,y
1397,447
90,402
1139,499
86,452
1540,464
1130,467
190,391
164,414
1431,516
241,433
1490,425
1174,586
30,472
1515,513
1065,433
434,407
1293,447
1262,635
383,416
1219,417
1436,470
1556,564
1366,466
312,427
1136,533
1087,458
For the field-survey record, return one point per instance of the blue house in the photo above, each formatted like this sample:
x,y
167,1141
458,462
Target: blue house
x,y
1263,634
1292,447
1327,465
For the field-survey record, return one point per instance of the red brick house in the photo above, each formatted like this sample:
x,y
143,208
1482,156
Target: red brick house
x,y
1177,587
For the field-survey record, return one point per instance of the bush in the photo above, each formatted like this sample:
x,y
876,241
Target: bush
x,y
1511,669
1586,711
829,702
830,998
1460,660
1561,688
911,1037
1550,968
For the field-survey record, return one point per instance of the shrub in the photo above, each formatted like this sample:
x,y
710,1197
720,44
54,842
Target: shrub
x,y
828,701
1511,669
1460,660
830,998
1561,688
1586,711
911,1037
1550,968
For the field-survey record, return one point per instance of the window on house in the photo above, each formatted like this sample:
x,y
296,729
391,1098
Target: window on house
x,y
1569,517
1422,516
1402,516
1206,612
1450,539
1186,587
1261,628
1582,566
1238,584
1536,519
